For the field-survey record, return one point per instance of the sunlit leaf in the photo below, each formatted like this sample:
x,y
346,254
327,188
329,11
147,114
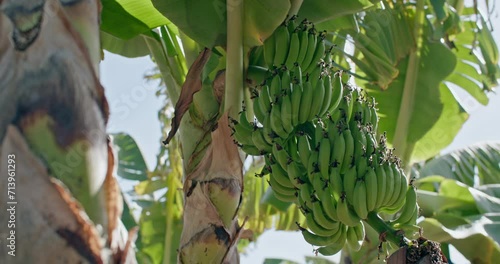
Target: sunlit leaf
x,y
426,106
131,164
444,130
472,240
149,186
139,16
322,10
481,160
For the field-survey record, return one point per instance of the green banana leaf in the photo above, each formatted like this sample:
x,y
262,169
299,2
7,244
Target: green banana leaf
x,y
457,214
444,130
426,105
158,216
130,48
477,70
477,241
475,165
322,10
205,21
131,164
139,16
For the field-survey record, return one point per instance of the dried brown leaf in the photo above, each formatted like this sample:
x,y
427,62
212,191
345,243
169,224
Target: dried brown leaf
x,y
191,86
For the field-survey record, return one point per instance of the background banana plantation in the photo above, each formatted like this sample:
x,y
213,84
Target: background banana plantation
x,y
202,203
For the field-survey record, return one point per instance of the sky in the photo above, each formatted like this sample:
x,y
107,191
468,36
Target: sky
x,y
134,108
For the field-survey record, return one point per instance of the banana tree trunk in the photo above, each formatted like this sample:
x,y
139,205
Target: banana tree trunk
x,y
64,201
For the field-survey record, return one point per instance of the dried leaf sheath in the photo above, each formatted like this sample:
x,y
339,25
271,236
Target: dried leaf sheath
x,y
213,195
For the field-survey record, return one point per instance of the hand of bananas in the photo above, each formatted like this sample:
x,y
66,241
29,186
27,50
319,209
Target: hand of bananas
x,y
318,136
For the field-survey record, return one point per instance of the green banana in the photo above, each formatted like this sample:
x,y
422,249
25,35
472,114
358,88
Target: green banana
x,y
371,142
286,79
361,166
242,134
390,186
337,92
286,113
277,172
327,95
304,43
357,113
334,248
345,214
324,158
259,141
336,182
304,148
256,108
359,199
269,135
400,200
367,113
320,216
352,239
264,100
291,198
293,51
281,45
349,150
292,24
381,185
275,88
371,189
318,53
317,228
281,155
409,207
306,195
295,174
297,74
319,92
374,116
281,177
295,103
349,179
328,202
311,49
276,124
318,240
293,149
319,133
397,186
306,101
359,137
251,150
339,149
314,75
312,165
269,50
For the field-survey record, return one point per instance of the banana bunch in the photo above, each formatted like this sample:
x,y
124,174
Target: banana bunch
x,y
294,43
318,137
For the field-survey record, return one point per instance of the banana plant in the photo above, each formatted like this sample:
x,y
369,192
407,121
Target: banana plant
x,y
207,53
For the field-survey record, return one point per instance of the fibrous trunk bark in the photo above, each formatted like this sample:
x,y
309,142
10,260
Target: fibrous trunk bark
x,y
53,130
